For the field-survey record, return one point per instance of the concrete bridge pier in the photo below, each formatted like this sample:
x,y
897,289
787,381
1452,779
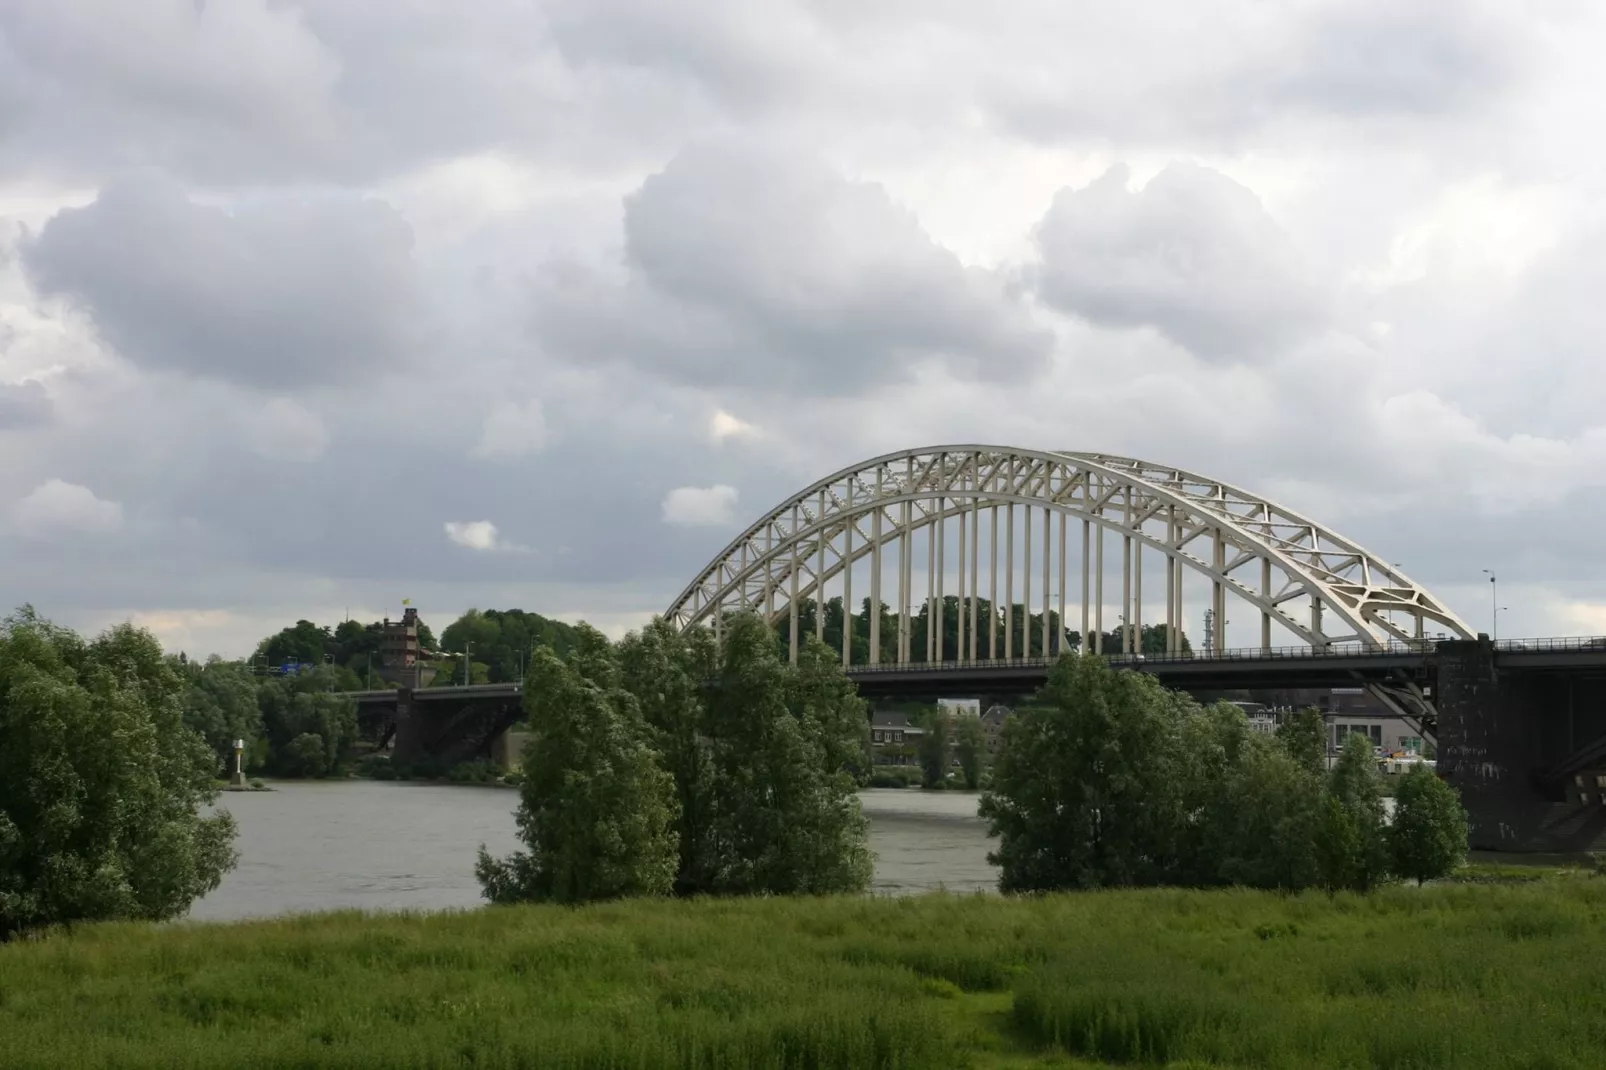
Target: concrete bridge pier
x,y
409,745
1512,742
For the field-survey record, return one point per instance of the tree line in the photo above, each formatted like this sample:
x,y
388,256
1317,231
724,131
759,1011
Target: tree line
x,y
498,643
672,764
1027,628
1111,780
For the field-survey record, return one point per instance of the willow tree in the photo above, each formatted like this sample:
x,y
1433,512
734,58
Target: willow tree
x,y
101,783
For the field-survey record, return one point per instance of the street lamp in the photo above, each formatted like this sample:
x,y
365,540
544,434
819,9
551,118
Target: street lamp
x,y
1493,599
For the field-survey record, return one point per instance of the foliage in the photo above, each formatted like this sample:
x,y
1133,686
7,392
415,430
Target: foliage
x,y
100,781
596,811
935,748
220,703
475,772
1082,794
1428,837
309,726
1027,630
500,641
1493,976
1110,779
1151,641
970,747
351,646
763,754
1304,735
1355,852
667,670
781,741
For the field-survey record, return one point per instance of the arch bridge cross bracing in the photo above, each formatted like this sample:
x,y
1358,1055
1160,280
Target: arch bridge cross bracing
x,y
868,524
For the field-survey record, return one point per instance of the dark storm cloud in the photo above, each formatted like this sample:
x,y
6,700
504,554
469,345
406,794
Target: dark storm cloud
x,y
748,265
1192,254
280,294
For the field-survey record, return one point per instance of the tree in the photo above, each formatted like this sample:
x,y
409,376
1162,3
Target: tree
x,y
1304,736
1428,836
220,704
1270,841
934,746
970,747
307,704
1352,843
100,781
666,670
1082,789
596,810
781,738
500,641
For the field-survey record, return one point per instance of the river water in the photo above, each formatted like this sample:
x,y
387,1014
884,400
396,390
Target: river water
x,y
389,845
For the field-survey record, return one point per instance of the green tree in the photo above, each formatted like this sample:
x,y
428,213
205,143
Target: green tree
x,y
970,747
1270,839
303,643
596,810
1082,788
1352,842
935,746
307,704
666,670
220,704
500,642
1304,736
100,781
1428,836
780,740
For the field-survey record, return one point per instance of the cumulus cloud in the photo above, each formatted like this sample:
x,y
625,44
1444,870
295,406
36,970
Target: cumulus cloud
x,y
700,506
756,265
513,430
57,507
284,430
1192,254
283,294
479,535
23,405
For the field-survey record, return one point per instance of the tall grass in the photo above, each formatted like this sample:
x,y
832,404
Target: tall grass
x,y
1457,976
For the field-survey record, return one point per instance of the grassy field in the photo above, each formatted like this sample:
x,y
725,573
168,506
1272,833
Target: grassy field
x,y
1474,975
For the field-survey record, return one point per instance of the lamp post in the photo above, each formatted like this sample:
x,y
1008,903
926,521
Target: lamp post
x,y
1494,634
239,763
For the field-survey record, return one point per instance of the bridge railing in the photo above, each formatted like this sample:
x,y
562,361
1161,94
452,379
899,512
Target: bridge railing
x,y
1568,643
1254,653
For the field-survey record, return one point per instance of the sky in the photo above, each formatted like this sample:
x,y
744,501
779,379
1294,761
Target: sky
x,y
310,306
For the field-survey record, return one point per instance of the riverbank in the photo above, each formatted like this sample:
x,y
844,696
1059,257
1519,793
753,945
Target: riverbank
x,y
1457,976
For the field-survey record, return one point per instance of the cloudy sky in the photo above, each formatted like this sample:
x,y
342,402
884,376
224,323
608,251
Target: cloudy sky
x,y
308,306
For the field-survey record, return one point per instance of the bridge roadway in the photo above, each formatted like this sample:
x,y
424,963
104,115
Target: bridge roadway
x,y
1520,725
1252,669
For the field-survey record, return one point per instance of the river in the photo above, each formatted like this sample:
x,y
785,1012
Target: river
x,y
389,845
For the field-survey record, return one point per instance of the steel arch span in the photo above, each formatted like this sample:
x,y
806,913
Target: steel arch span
x,y
860,524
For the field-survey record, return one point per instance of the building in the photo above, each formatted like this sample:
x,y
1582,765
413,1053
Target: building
x,y
894,738
992,725
400,656
1349,710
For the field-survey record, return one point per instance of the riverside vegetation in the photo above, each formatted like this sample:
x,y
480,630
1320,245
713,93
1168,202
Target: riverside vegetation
x,y
1450,976
677,798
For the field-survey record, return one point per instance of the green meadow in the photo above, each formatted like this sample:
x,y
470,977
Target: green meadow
x,y
1463,975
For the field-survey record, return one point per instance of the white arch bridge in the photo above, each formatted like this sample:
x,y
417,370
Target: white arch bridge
x,y
989,520
994,529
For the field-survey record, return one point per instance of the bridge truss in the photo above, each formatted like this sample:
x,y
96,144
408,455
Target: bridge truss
x,y
991,520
